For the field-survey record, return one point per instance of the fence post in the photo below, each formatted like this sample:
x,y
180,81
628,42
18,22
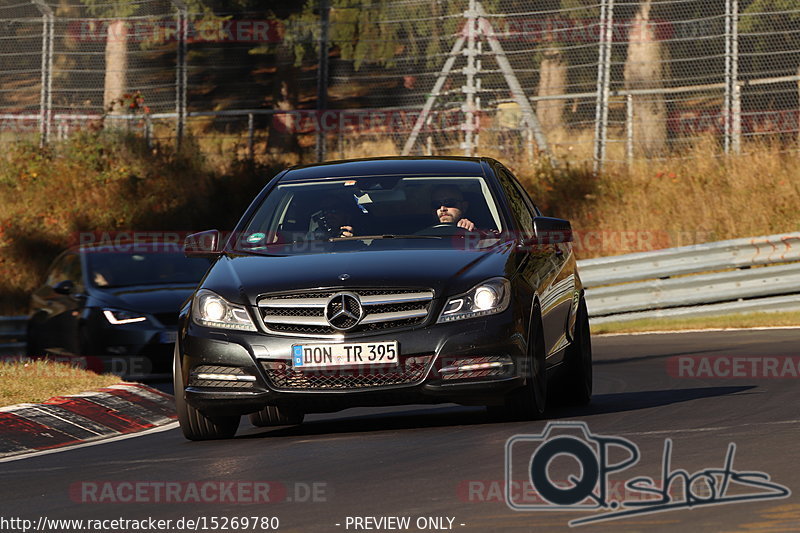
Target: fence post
x,y
629,129
322,77
603,83
469,71
148,131
736,133
46,92
730,113
736,130
250,137
180,71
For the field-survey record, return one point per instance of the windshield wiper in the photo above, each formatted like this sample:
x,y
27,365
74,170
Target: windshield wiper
x,y
384,236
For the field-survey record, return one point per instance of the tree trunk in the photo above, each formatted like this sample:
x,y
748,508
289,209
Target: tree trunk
x,y
552,82
116,79
283,126
645,69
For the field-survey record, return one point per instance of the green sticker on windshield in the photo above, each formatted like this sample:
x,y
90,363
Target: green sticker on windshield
x,y
255,238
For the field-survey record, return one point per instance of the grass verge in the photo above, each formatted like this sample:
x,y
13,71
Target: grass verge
x,y
34,381
748,320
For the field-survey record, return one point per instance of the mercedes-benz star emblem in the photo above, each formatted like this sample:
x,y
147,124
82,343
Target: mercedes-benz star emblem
x,y
344,276
343,311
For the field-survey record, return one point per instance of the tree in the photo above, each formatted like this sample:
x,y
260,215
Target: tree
x,y
117,43
645,69
566,22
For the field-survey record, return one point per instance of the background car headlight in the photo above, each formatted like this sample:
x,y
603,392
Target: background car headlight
x,y
212,310
490,297
119,316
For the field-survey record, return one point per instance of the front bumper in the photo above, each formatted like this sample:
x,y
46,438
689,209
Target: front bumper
x,y
137,349
442,347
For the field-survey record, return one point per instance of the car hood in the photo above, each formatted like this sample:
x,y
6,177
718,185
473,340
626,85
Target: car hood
x,y
145,298
242,278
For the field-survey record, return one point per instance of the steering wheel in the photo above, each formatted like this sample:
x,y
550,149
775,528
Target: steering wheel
x,y
446,229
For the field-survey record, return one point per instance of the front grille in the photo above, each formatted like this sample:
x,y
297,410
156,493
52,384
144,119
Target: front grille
x,y
303,313
284,377
195,381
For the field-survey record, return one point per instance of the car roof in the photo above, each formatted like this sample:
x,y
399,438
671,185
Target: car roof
x,y
389,166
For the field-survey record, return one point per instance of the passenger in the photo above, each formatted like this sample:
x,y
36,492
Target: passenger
x,y
332,220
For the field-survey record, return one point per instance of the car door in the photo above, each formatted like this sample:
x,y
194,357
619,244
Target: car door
x,y
547,267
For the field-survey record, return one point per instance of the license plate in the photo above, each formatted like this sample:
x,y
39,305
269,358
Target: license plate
x,y
358,353
168,337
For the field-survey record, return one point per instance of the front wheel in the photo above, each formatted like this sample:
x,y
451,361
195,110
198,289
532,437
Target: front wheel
x,y
194,424
530,401
575,386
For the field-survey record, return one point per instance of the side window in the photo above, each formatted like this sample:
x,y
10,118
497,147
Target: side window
x,y
521,209
57,271
67,267
74,270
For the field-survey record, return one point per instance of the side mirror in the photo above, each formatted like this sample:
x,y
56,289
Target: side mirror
x,y
64,287
204,244
549,230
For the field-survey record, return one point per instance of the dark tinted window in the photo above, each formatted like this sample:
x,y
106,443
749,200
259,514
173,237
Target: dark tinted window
x,y
68,267
112,269
297,212
520,205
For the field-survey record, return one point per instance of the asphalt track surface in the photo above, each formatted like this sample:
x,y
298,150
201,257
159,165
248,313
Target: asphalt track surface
x,y
448,461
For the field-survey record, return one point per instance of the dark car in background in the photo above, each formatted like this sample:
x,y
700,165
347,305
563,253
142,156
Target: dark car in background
x,y
115,304
383,281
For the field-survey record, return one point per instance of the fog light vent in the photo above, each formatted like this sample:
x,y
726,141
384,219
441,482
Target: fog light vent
x,y
476,367
225,377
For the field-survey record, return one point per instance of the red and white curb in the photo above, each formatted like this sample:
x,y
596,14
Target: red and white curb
x,y
67,420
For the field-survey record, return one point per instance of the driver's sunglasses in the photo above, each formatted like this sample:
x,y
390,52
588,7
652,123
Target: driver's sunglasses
x,y
446,202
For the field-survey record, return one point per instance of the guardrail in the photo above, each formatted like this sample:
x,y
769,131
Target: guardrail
x,y
12,335
735,276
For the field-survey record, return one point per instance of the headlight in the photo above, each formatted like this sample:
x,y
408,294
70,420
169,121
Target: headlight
x,y
490,297
118,316
212,310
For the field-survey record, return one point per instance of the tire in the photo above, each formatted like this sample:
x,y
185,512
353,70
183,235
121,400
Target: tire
x,y
194,424
575,385
32,347
272,415
530,401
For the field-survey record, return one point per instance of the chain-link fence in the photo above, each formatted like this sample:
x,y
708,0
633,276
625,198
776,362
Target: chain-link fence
x,y
588,80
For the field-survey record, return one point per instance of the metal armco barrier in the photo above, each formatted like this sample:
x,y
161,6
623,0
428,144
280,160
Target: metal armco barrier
x,y
12,335
735,276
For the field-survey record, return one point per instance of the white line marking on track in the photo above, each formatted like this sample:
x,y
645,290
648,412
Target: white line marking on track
x,y
167,427
708,330
719,428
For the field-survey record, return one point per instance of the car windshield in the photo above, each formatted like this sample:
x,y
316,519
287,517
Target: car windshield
x,y
365,209
118,269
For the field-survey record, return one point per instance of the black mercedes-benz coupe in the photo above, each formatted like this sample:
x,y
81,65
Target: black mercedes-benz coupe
x,y
382,281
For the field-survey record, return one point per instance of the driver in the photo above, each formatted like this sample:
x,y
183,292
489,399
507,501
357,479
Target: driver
x,y
449,205
332,219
